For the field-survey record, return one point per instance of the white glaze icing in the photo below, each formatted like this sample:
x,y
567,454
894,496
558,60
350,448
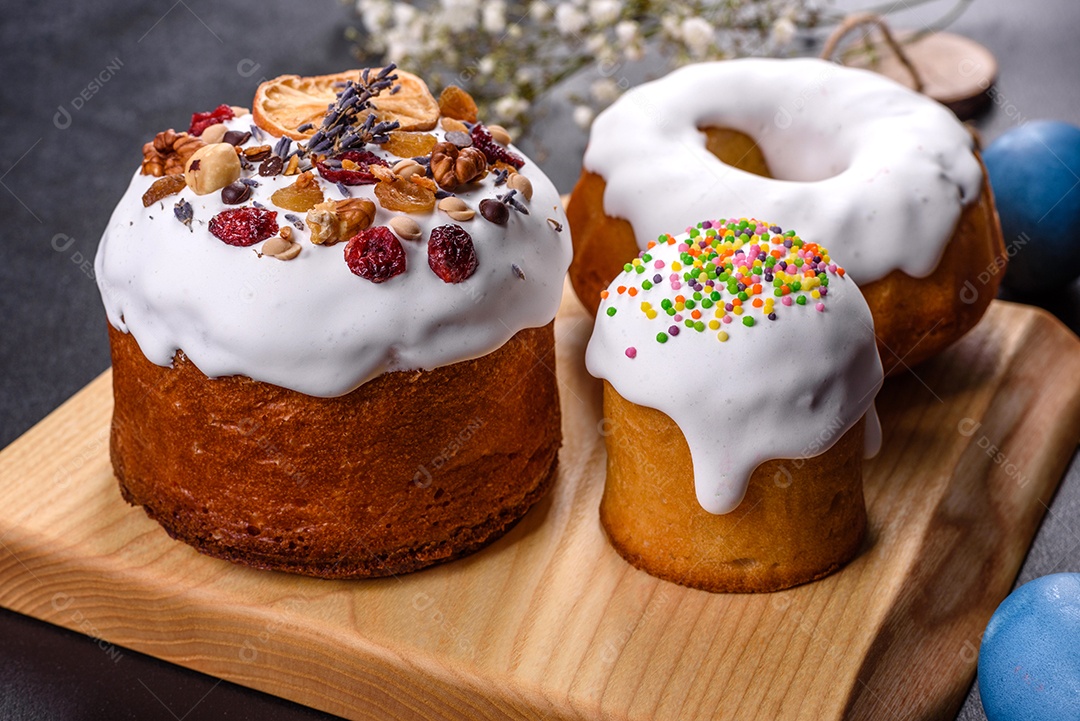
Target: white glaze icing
x,y
310,324
877,172
782,389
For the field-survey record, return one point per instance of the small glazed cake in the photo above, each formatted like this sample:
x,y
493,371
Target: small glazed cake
x,y
740,371
331,328
888,178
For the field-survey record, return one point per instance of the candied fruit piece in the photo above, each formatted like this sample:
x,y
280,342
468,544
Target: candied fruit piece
x,y
483,141
451,253
162,188
409,145
301,196
202,121
457,104
333,170
403,196
244,226
375,254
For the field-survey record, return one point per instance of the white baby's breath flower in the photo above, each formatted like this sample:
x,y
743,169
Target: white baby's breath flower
x,y
604,90
486,66
669,25
783,31
460,15
627,32
404,15
539,11
596,43
401,43
569,19
698,36
376,14
583,116
514,31
510,106
605,12
494,16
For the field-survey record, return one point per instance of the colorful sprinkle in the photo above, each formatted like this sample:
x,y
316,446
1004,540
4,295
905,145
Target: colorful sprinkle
x,y
725,270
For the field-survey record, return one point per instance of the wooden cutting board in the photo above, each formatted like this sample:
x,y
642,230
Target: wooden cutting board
x,y
549,623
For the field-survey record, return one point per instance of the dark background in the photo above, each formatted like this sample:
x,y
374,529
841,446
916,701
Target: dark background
x,y
62,173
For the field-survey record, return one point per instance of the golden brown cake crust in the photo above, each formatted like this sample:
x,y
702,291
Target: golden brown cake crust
x,y
800,519
914,318
408,470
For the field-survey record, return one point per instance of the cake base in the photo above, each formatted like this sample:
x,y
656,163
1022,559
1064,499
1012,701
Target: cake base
x,y
408,470
800,520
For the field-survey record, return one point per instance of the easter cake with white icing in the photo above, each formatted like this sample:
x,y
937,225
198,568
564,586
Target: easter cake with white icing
x,y
740,371
331,328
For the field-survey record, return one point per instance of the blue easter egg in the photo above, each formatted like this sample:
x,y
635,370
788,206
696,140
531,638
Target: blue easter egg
x,y
1029,662
1035,173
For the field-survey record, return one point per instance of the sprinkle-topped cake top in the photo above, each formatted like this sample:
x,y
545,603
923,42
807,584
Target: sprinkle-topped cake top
x,y
751,338
729,273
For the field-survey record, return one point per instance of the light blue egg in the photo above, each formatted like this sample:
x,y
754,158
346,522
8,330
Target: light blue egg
x,y
1029,662
1035,173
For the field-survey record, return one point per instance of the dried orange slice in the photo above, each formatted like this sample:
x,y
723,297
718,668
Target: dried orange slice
x,y
288,102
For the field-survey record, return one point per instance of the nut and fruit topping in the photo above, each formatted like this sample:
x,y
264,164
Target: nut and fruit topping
x,y
452,167
409,145
483,140
405,196
499,134
211,168
202,121
494,211
408,168
353,167
454,126
304,108
183,212
451,254
257,153
375,254
456,208
214,134
271,166
333,221
235,137
521,184
162,188
405,227
168,153
235,193
457,104
301,196
281,247
244,226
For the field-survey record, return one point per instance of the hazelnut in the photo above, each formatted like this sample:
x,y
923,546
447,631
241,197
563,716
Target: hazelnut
x,y
211,168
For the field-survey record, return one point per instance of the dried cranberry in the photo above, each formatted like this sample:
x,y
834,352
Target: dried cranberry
x,y
363,158
375,254
451,253
244,226
202,121
494,152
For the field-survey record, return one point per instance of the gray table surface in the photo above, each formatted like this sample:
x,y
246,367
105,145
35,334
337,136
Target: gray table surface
x,y
62,172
